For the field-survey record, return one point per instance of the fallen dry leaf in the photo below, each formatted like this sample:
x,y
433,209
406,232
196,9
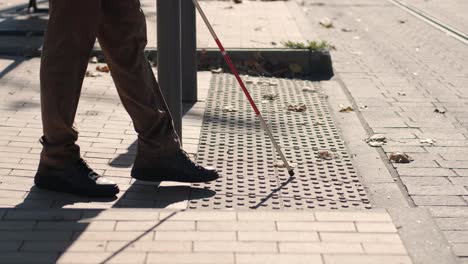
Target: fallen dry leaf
x,y
238,1
309,89
428,141
216,71
402,21
326,155
92,74
376,140
229,109
440,111
326,22
104,68
347,30
280,164
297,108
346,109
400,157
270,97
401,93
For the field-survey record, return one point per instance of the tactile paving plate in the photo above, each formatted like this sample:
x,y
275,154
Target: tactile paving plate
x,y
233,142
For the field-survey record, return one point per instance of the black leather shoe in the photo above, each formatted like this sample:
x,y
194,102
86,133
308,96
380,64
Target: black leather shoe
x,y
178,168
77,179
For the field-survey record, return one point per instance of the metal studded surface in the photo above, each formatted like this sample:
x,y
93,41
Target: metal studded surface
x,y
233,142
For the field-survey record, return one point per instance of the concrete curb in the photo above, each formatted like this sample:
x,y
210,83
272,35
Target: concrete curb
x,y
314,64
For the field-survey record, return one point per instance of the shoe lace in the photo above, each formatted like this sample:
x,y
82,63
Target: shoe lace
x,y
84,168
187,158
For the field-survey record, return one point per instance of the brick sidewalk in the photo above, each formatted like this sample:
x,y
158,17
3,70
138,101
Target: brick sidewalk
x,y
153,236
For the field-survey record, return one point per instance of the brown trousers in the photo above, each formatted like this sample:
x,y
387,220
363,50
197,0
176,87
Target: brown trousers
x,y
120,27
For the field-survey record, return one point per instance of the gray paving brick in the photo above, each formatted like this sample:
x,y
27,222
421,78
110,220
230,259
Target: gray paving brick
x,y
16,225
459,223
76,225
151,246
236,225
436,190
51,214
440,200
145,225
214,258
96,257
367,216
457,236
425,181
364,227
460,249
277,236
316,226
195,235
320,247
235,246
61,246
111,236
19,235
425,172
381,248
24,257
367,259
242,258
6,246
359,237
272,216
440,211
454,164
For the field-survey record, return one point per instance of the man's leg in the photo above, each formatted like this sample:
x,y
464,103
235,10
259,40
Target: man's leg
x,y
70,36
122,36
69,39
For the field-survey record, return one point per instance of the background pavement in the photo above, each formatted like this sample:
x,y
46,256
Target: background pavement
x,y
391,66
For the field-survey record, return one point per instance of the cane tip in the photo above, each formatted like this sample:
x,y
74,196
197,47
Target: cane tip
x,y
291,172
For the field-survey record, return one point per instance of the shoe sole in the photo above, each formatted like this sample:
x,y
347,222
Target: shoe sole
x,y
53,185
151,177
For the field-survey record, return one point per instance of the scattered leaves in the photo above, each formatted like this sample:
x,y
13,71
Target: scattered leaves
x,y
229,109
440,110
297,108
376,140
346,109
308,89
400,157
280,164
238,1
92,74
326,155
103,68
428,141
216,71
326,23
347,30
310,45
270,97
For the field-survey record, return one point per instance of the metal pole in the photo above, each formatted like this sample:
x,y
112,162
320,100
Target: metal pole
x,y
189,51
169,57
